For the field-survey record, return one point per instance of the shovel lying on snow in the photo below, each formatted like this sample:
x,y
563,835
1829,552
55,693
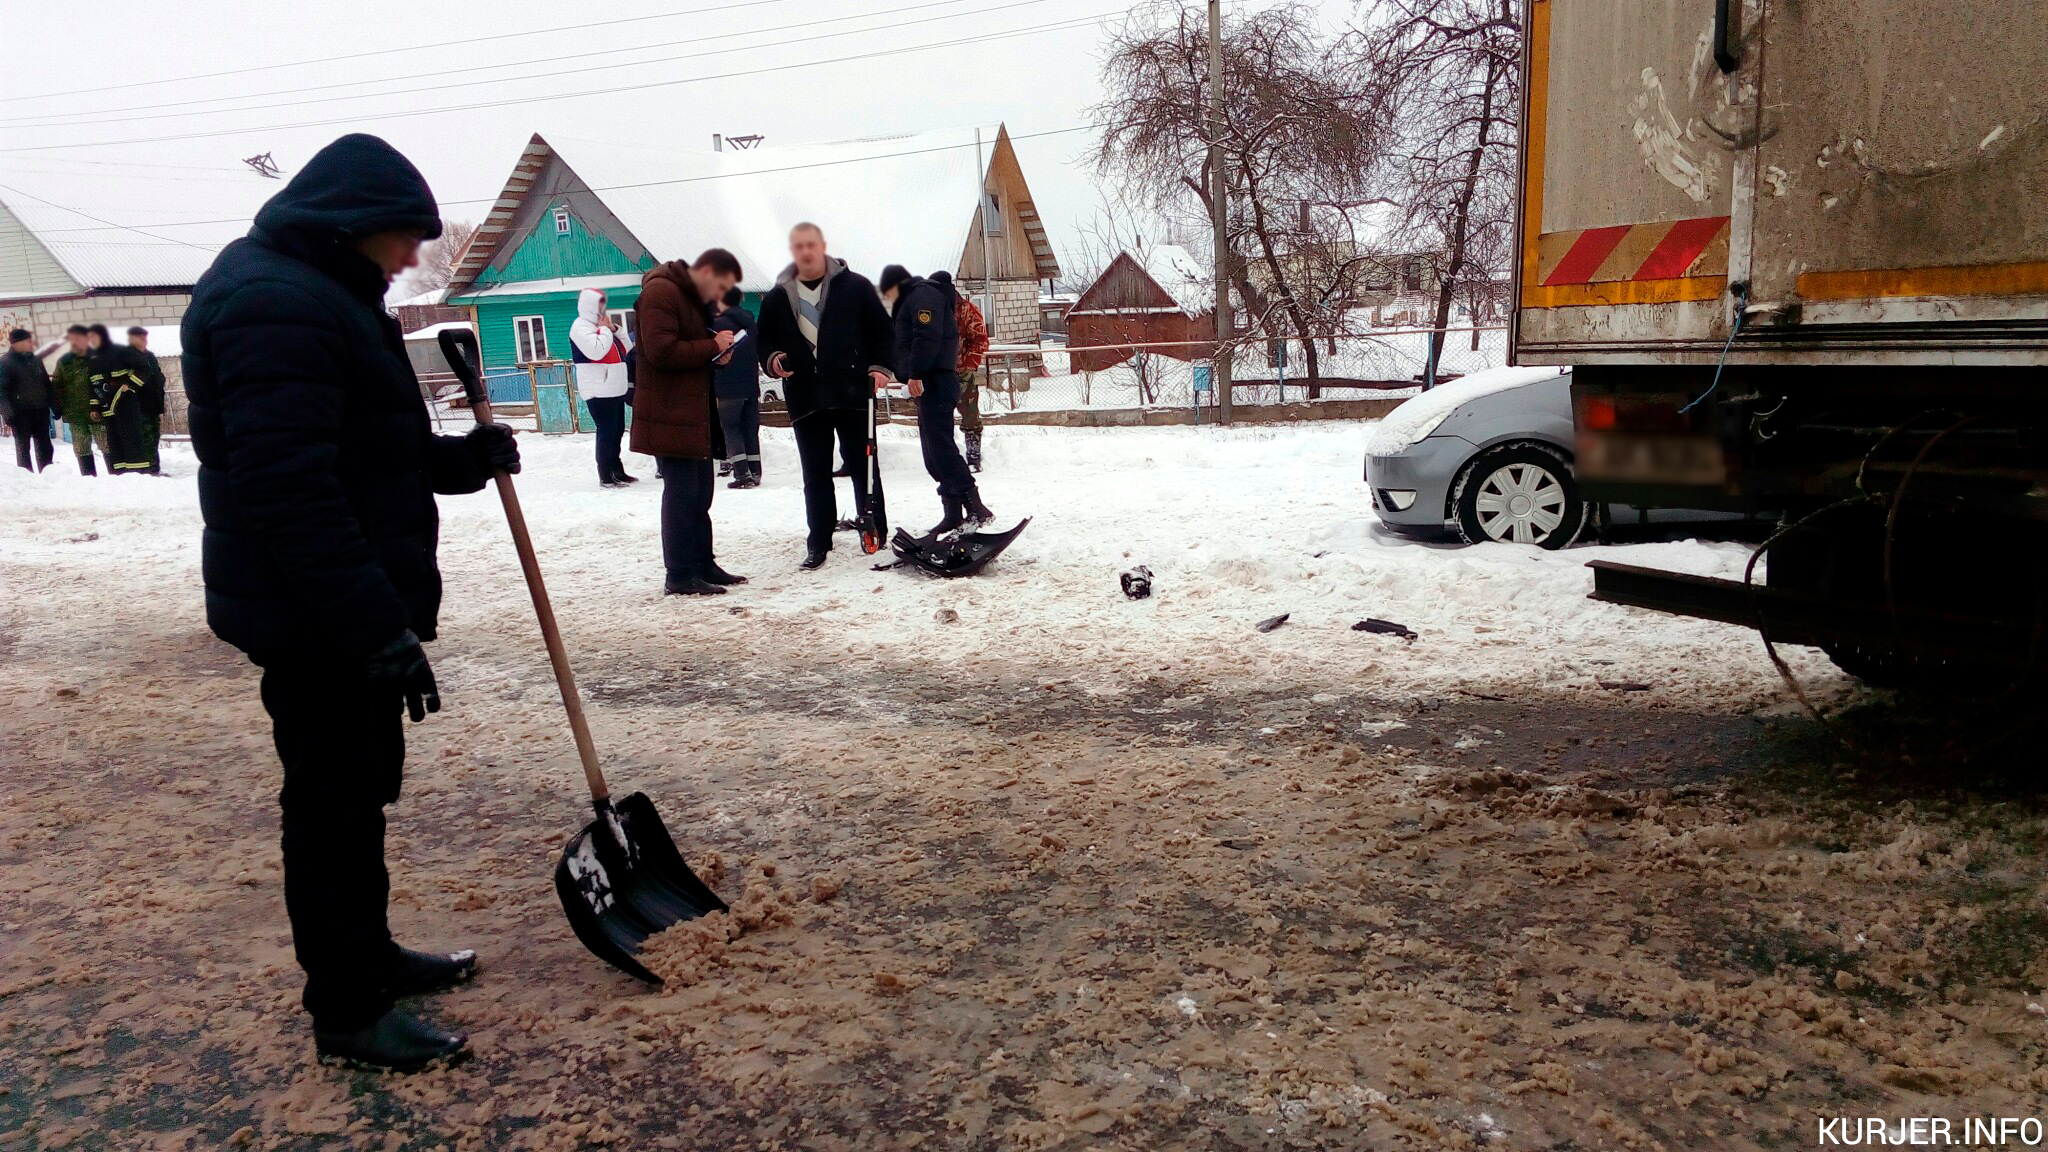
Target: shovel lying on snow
x,y
621,879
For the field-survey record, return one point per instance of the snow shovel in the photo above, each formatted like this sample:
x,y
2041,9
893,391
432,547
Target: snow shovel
x,y
874,516
621,879
954,554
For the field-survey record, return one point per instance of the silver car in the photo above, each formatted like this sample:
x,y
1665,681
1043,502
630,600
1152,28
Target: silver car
x,y
1488,456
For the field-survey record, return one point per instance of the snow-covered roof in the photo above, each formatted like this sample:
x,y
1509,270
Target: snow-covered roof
x,y
558,284
114,227
906,200
433,331
1191,286
422,300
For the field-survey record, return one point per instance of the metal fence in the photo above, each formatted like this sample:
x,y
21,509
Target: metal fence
x,y
1379,364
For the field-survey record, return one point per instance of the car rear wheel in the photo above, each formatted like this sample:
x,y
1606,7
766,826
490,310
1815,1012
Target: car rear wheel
x,y
1521,494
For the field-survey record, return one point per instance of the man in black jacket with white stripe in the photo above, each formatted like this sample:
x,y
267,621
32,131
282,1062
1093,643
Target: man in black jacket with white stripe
x,y
825,334
317,474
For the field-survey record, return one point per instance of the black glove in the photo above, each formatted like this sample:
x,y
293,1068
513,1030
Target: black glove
x,y
492,449
400,667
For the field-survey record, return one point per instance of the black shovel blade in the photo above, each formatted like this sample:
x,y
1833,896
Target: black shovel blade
x,y
960,555
621,880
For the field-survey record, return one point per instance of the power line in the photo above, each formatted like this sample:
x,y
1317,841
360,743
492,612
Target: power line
x,y
154,111
108,223
1029,30
730,6
1015,136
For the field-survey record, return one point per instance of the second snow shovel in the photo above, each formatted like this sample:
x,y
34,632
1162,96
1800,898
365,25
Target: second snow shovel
x,y
621,879
874,515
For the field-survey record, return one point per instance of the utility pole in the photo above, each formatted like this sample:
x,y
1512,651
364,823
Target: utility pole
x,y
1219,209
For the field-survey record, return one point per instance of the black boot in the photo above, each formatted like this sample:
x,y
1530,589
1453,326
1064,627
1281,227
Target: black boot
x,y
713,574
396,1041
814,559
620,477
725,467
418,973
977,512
955,517
974,450
86,468
691,584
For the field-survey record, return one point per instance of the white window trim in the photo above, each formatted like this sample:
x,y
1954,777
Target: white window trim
x,y
561,220
624,320
522,345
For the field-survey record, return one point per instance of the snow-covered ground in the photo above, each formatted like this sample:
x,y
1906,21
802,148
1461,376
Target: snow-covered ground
x,y
1237,525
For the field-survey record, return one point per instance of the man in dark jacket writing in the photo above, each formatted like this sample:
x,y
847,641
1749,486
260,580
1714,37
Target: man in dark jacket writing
x,y
675,416
825,334
317,475
927,351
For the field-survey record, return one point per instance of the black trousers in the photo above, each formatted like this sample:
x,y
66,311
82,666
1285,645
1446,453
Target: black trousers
x,y
815,436
32,431
686,488
942,457
343,749
741,418
610,414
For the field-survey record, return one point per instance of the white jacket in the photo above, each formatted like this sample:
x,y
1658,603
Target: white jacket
x,y
600,354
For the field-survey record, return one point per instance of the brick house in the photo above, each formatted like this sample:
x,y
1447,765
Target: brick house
x,y
87,247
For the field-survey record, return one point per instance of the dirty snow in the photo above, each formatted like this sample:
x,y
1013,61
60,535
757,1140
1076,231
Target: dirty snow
x,y
1072,872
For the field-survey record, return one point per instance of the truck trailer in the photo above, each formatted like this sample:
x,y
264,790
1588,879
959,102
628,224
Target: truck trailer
x,y
1796,253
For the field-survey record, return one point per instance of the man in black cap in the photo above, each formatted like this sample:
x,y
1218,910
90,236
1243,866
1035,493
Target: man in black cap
x,y
317,474
927,355
25,401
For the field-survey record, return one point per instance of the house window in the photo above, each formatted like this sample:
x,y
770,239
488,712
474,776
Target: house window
x,y
1411,273
992,214
625,320
561,221
530,334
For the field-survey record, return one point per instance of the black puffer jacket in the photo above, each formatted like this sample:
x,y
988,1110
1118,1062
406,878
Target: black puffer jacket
x,y
317,465
854,338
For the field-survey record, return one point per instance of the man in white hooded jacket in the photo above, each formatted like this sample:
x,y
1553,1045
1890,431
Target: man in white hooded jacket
x,y
600,354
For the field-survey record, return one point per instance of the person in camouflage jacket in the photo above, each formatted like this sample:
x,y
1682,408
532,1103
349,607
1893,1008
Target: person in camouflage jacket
x,y
973,347
73,380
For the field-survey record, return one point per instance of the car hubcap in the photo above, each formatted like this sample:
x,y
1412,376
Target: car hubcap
x,y
1521,502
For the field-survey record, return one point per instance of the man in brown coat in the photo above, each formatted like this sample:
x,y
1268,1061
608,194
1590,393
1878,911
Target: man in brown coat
x,y
675,415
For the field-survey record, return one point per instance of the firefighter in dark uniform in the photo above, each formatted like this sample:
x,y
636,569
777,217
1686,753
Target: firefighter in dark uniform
x,y
927,352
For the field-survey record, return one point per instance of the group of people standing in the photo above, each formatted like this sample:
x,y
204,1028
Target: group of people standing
x,y
832,338
111,396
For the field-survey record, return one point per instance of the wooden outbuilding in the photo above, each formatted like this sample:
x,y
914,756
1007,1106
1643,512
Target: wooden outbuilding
x,y
1166,301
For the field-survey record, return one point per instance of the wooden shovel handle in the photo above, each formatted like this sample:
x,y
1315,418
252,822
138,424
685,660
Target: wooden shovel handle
x,y
529,563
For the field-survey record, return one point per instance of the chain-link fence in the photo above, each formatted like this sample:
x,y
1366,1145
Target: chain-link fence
x,y
1384,364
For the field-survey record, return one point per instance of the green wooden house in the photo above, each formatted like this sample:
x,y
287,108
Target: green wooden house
x,y
954,199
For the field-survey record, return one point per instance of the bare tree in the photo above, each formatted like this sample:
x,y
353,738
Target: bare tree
x,y
1447,75
1297,144
438,257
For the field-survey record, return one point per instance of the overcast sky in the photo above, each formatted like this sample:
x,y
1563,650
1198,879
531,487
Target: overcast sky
x,y
774,67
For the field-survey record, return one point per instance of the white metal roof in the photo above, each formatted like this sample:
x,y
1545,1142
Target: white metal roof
x,y
433,331
113,227
906,200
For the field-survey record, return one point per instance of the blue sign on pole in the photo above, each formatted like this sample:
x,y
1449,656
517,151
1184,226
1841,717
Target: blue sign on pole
x,y
1205,377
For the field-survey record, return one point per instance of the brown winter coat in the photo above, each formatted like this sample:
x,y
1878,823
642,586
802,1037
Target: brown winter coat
x,y
673,410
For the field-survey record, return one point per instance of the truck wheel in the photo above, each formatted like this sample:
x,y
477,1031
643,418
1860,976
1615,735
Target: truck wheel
x,y
1519,494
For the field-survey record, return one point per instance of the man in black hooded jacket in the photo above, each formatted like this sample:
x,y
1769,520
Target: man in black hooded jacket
x,y
317,474
927,350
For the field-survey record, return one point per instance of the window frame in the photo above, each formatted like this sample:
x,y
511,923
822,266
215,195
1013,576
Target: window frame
x,y
561,214
627,321
992,212
523,343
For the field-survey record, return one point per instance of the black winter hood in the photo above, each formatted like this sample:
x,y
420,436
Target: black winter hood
x,y
354,187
